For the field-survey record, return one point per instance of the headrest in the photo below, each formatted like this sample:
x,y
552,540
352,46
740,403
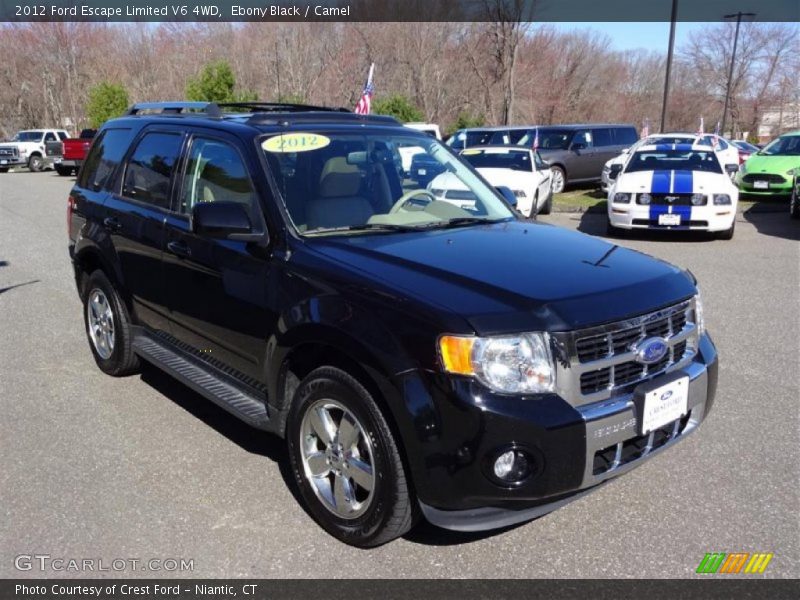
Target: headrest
x,y
337,185
337,164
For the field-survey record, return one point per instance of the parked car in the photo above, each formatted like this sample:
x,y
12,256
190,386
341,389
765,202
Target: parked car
x,y
430,128
672,187
771,170
419,359
73,152
728,154
517,168
577,153
746,149
27,148
485,136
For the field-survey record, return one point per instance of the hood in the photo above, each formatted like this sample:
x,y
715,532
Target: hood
x,y
761,163
507,177
510,277
673,182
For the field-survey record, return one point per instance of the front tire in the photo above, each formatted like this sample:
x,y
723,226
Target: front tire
x,y
794,202
108,327
547,207
35,163
345,461
728,233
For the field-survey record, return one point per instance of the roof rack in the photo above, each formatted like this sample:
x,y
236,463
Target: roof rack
x,y
313,116
176,108
280,107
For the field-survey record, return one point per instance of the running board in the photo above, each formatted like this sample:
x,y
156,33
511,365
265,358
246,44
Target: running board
x,y
227,396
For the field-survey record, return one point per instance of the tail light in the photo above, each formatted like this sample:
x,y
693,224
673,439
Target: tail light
x,y
743,156
70,208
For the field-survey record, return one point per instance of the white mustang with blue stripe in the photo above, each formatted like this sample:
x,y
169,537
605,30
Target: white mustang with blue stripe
x,y
673,186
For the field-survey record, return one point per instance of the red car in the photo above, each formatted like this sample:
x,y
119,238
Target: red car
x,y
73,153
745,149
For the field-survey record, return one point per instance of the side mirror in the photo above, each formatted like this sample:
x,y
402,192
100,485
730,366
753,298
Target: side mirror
x,y
731,168
507,195
615,171
220,220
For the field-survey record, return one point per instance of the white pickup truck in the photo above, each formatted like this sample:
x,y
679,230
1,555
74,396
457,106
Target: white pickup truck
x,y
27,148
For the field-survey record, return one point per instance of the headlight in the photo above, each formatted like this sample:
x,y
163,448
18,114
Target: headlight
x,y
645,199
22,151
620,198
699,319
510,364
721,199
791,172
519,193
698,199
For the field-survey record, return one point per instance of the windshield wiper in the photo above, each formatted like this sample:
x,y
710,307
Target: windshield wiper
x,y
460,222
362,227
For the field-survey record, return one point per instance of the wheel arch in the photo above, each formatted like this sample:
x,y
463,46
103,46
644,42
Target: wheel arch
x,y
89,259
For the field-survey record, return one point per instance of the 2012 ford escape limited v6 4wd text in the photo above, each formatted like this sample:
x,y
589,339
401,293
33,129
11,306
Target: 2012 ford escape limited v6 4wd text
x,y
420,358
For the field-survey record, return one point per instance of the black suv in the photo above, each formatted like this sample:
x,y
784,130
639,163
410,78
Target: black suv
x,y
420,358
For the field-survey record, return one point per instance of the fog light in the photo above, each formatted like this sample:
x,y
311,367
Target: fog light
x,y
645,199
512,466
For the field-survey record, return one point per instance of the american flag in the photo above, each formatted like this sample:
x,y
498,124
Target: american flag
x,y
646,129
536,140
702,128
365,102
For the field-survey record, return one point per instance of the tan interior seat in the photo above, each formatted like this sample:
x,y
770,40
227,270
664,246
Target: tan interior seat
x,y
338,202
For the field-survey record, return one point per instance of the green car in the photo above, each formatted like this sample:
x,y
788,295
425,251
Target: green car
x,y
771,170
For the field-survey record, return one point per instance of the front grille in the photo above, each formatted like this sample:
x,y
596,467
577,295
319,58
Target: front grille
x,y
8,151
753,177
684,223
595,362
672,200
615,456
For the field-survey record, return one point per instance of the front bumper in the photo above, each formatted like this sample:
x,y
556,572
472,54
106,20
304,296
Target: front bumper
x,y
13,161
774,189
570,446
702,218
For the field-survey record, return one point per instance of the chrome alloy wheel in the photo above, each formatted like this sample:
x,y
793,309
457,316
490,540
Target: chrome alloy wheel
x,y
100,319
337,458
558,181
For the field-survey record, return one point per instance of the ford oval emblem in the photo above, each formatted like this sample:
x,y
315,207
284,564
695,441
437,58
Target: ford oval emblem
x,y
650,351
666,395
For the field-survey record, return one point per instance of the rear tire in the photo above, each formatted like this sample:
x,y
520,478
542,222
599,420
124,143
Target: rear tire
x,y
35,163
64,171
108,327
345,461
3,169
559,180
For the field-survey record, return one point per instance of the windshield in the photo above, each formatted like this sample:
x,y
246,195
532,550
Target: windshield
x,y
788,145
674,160
499,158
669,139
347,182
549,139
28,136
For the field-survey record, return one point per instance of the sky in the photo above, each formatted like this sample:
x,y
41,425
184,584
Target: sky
x,y
629,36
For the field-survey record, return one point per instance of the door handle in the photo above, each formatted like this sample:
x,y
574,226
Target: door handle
x,y
179,249
112,224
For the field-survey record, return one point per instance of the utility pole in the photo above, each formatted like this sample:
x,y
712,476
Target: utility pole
x,y
738,16
672,19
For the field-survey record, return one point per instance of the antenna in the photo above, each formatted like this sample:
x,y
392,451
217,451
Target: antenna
x,y
278,71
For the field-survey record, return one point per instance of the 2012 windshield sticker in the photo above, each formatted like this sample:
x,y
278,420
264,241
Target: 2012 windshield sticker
x,y
295,142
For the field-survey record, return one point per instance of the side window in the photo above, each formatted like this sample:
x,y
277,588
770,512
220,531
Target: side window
x,y
215,172
515,135
583,137
602,137
625,136
49,137
150,167
106,153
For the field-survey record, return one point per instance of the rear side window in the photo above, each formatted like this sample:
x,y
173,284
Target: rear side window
x,y
106,153
50,137
149,171
63,135
602,137
625,136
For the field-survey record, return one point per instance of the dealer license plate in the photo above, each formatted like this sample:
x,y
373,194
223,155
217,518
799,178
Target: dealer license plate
x,y
669,219
665,404
761,185
3,162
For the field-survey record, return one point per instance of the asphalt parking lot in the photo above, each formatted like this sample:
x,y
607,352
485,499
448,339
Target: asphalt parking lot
x,y
141,467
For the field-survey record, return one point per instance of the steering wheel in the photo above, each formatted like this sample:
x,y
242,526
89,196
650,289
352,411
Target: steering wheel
x,y
407,196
